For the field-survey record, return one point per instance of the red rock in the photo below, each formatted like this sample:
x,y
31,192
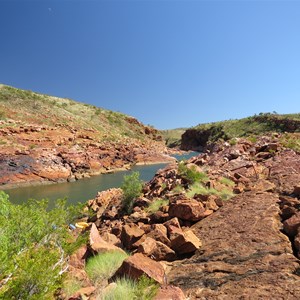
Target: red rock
x,y
174,222
263,185
77,259
211,204
159,217
159,233
297,190
185,243
170,292
297,242
136,217
291,225
162,252
188,209
94,235
241,241
130,234
98,244
147,246
138,242
83,292
138,264
174,232
111,239
156,250
159,227
105,247
287,212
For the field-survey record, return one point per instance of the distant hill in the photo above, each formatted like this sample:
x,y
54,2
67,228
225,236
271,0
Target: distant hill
x,y
200,135
28,107
172,137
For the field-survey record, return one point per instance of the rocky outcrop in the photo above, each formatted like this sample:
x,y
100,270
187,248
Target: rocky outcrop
x,y
232,234
137,265
243,254
32,154
198,138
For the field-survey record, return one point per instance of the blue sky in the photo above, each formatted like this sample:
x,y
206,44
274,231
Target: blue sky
x,y
168,63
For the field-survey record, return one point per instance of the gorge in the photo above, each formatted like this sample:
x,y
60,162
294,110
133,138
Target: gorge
x,y
223,224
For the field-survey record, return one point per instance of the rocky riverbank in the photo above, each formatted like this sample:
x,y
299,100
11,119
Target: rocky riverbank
x,y
231,232
35,154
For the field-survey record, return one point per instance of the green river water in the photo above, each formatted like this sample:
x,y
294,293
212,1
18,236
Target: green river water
x,y
84,189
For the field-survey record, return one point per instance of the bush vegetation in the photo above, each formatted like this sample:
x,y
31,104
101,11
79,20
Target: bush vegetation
x,y
34,247
132,187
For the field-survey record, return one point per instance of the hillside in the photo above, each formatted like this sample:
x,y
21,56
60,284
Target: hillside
x,y
172,137
45,138
28,107
197,137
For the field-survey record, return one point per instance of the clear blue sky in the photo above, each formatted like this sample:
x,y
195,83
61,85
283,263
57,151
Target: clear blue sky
x,y
168,63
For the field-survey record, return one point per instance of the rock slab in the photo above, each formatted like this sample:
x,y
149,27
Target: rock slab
x,y
244,255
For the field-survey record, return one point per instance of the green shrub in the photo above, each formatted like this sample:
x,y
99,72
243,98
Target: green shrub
x,y
191,174
143,289
104,265
132,188
156,205
33,248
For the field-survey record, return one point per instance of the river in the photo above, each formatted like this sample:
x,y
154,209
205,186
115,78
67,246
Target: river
x,y
84,189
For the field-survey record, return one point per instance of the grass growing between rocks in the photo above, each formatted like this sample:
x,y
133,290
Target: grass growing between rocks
x,y
156,205
199,189
143,289
291,141
104,265
70,286
191,174
227,182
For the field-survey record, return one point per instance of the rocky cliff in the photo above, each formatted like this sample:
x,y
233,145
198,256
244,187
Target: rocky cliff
x,y
48,139
198,137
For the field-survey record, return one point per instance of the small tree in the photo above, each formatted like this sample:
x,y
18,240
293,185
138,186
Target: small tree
x,y
132,188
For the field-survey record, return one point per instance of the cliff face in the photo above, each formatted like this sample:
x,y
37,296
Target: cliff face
x,y
46,138
197,138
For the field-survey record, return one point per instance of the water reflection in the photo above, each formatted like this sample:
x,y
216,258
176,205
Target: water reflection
x,y
84,189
